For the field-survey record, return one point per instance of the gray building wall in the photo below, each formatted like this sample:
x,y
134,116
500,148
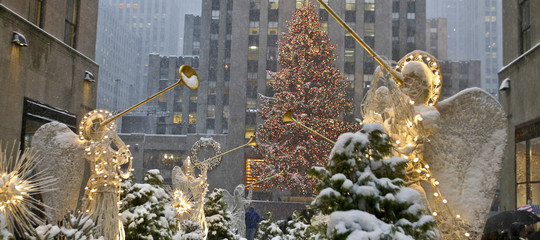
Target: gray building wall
x,y
458,76
47,71
192,35
437,38
474,32
116,52
521,100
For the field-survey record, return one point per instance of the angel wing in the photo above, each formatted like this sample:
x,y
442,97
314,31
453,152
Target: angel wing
x,y
465,155
177,177
63,159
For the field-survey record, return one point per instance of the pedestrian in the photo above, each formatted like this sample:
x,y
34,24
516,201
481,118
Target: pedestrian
x,y
252,221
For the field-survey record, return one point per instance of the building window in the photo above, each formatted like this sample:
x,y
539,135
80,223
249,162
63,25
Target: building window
x,y
525,26
215,14
70,29
369,5
274,4
350,5
527,159
411,16
254,27
250,176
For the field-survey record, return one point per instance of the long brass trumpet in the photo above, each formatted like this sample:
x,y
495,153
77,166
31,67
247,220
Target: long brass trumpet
x,y
188,77
373,54
288,118
252,142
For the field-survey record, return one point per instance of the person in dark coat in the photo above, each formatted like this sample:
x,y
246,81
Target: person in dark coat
x,y
252,221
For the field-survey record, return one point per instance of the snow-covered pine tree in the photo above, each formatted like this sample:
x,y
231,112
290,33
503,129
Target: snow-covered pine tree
x,y
364,192
145,210
191,230
268,229
296,227
217,217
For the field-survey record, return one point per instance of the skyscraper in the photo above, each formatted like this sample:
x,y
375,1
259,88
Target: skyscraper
x,y
156,23
474,33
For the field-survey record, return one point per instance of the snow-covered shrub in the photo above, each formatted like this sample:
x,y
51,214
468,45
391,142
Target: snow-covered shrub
x,y
364,192
191,230
268,229
217,217
145,209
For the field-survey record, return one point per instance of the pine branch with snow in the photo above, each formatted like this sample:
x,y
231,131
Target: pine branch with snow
x,y
217,217
268,229
363,191
145,209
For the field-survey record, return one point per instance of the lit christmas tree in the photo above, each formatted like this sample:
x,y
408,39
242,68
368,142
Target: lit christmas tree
x,y
310,86
364,193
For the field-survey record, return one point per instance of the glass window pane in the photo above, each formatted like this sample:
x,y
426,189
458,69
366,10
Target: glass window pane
x,y
535,159
520,162
535,192
521,195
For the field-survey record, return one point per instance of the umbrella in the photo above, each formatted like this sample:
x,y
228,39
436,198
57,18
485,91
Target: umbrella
x,y
503,220
535,209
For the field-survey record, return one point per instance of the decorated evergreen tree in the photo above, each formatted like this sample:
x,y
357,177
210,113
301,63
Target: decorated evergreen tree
x,y
310,86
145,211
217,217
268,229
296,227
191,230
364,193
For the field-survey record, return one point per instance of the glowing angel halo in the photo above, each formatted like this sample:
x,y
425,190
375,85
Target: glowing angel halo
x,y
18,183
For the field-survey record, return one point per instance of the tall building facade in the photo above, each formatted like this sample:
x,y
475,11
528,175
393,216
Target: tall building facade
x,y
459,75
192,35
518,94
47,71
474,33
437,38
117,51
157,25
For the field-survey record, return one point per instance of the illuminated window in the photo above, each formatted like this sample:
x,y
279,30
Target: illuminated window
x,y
299,3
162,98
135,6
250,132
324,27
251,177
193,98
254,27
192,118
253,53
274,4
350,5
349,55
211,111
527,159
177,118
121,5
129,5
369,6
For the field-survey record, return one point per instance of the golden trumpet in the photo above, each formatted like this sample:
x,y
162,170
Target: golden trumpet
x,y
252,142
373,54
288,118
188,77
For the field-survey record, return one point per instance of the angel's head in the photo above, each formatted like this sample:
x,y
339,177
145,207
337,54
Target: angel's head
x,y
416,77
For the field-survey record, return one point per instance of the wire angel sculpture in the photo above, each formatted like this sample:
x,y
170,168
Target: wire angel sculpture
x,y
105,152
189,193
454,147
236,205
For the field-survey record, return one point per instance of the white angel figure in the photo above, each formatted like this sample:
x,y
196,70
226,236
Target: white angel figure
x,y
104,151
237,205
189,193
455,147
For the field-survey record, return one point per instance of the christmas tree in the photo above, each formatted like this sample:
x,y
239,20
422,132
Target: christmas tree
x,y
144,210
364,193
310,86
217,217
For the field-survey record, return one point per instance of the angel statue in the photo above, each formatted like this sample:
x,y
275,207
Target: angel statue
x,y
189,193
236,205
104,151
454,147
